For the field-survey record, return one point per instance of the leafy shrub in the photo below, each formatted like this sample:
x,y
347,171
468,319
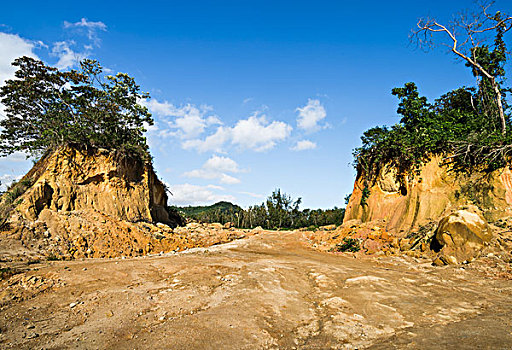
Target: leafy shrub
x,y
7,201
348,245
6,272
364,195
53,257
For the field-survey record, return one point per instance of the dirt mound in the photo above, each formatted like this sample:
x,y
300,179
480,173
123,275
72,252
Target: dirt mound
x,y
80,202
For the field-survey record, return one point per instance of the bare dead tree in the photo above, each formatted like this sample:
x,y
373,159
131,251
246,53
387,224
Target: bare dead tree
x,y
465,33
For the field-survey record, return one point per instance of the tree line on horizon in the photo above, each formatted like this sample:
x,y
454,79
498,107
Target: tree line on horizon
x,y
278,211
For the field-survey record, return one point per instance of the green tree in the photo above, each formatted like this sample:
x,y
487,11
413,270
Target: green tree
x,y
47,108
468,125
468,37
282,209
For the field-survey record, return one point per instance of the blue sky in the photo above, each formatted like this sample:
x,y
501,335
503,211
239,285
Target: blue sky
x,y
248,96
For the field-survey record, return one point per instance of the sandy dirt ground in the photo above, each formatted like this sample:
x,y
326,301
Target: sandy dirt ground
x,y
268,291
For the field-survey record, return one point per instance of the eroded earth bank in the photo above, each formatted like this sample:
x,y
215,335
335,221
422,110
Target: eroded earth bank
x,y
267,291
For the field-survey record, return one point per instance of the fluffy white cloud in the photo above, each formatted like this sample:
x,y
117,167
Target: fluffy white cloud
x,y
254,133
12,46
310,115
188,121
303,145
221,164
214,142
216,168
187,194
158,108
66,55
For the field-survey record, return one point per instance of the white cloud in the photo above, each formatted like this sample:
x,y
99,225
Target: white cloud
x,y
187,194
12,46
221,164
215,187
67,57
303,145
7,179
256,134
310,115
189,121
91,28
251,194
204,174
216,168
158,108
253,133
228,179
16,157
214,142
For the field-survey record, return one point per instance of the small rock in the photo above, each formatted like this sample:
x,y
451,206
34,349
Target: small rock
x,y
31,326
438,262
72,305
32,336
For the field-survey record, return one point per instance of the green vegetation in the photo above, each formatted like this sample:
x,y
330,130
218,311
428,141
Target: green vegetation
x,y
53,257
219,212
47,108
279,211
7,200
7,272
469,126
348,245
364,195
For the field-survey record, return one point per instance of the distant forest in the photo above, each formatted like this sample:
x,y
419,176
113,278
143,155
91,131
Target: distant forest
x,y
279,211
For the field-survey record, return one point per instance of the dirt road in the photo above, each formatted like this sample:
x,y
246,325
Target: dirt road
x,y
265,292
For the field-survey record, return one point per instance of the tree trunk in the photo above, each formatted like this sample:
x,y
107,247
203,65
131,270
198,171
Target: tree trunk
x,y
500,106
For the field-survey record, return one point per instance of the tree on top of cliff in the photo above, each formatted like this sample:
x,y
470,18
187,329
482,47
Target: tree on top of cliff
x,y
47,108
469,126
467,37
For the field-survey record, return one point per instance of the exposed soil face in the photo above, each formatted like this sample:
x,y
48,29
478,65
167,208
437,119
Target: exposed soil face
x,y
268,291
